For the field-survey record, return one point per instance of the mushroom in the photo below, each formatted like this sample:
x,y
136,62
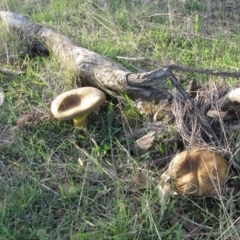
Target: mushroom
x,y
198,172
77,104
230,100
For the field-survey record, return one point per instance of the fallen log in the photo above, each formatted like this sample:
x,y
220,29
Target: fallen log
x,y
93,68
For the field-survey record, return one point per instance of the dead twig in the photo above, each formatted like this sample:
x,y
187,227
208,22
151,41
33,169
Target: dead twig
x,y
174,67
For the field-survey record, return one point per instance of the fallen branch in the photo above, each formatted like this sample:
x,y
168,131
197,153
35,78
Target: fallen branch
x,y
174,67
95,69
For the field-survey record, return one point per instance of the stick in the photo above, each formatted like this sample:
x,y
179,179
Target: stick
x,y
174,67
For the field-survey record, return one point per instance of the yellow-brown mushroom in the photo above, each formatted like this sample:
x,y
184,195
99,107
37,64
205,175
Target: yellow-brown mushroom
x,y
77,104
198,172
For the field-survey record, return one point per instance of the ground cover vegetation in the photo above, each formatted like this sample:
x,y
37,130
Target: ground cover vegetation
x,y
59,182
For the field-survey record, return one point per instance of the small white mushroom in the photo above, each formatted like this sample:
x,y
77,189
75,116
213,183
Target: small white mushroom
x,y
230,100
77,104
198,172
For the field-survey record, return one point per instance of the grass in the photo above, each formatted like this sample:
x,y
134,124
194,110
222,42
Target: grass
x,y
58,182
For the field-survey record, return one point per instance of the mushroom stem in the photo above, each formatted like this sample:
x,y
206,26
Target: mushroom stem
x,y
80,121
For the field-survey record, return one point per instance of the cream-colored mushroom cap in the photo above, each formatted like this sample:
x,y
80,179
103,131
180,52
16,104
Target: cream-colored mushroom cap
x,y
198,172
230,100
234,95
77,103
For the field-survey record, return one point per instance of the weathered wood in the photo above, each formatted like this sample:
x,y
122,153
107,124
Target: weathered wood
x,y
95,69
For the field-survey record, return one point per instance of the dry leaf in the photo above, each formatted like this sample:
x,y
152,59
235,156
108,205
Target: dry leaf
x,y
70,188
216,114
144,143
